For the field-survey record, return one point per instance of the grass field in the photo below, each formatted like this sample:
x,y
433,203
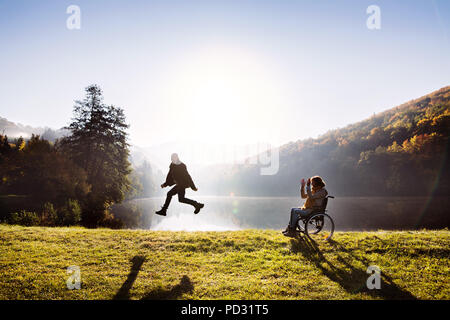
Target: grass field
x,y
247,264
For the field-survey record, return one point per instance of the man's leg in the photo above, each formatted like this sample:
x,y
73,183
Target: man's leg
x,y
197,205
183,199
169,196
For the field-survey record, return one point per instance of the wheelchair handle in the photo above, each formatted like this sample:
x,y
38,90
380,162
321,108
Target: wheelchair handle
x,y
332,197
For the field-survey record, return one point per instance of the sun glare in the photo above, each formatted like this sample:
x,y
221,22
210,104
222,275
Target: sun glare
x,y
223,95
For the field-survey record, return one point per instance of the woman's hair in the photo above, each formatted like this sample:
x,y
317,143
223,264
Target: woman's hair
x,y
318,180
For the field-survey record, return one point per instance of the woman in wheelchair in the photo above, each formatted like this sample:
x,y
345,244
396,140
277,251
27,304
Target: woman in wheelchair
x,y
314,199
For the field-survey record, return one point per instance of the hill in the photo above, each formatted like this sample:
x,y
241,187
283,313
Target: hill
x,y
16,130
247,264
400,152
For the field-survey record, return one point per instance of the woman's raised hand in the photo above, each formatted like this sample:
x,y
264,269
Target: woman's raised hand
x,y
308,182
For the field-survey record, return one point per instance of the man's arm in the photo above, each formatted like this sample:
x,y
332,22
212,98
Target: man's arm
x,y
190,181
191,184
169,179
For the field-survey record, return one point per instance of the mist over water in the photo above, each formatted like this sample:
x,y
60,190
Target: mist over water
x,y
215,216
349,213
189,222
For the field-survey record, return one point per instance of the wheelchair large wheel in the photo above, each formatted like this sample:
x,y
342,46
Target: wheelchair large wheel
x,y
320,223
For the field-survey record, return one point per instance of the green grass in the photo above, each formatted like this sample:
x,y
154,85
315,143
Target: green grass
x,y
248,264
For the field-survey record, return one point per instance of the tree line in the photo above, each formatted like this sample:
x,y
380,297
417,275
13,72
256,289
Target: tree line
x,y
400,152
83,177
75,180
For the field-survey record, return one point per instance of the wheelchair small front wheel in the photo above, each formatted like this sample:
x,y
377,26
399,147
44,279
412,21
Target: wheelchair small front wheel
x,y
300,228
320,223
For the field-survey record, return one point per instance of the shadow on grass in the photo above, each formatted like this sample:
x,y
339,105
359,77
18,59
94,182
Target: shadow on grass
x,y
178,290
344,270
173,293
124,291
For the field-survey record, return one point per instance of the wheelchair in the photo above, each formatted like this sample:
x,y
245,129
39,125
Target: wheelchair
x,y
318,221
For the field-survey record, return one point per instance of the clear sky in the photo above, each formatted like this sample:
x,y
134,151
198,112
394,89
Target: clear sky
x,y
221,71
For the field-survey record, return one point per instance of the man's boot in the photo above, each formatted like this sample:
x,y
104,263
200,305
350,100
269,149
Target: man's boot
x,y
162,212
198,206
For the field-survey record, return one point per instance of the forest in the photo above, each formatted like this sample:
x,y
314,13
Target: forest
x,y
73,180
399,152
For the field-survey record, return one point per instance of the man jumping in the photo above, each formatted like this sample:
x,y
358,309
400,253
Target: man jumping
x,y
179,176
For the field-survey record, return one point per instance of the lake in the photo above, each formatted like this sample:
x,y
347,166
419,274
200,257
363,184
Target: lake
x,y
348,213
